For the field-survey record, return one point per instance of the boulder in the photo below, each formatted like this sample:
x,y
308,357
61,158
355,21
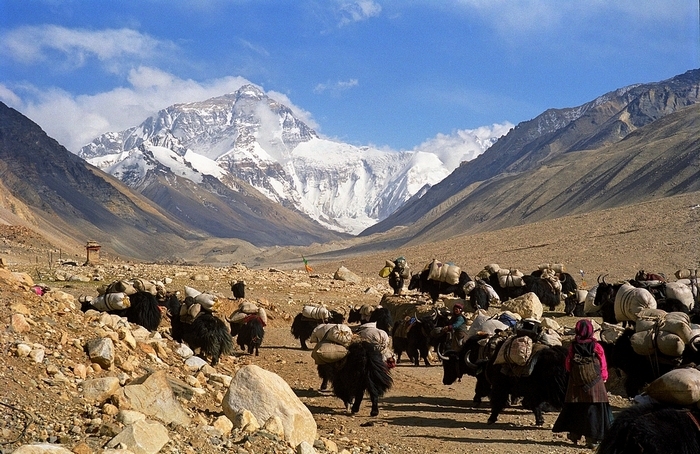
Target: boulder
x,y
265,394
153,396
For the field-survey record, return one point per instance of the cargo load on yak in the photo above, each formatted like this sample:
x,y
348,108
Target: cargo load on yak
x,y
399,265
677,387
629,301
661,332
519,348
315,312
515,350
331,342
245,310
444,272
111,302
208,301
510,278
338,333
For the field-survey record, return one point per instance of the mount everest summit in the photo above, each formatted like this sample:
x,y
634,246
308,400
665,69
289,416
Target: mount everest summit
x,y
248,136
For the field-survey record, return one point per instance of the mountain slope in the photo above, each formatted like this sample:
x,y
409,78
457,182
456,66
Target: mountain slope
x,y
59,193
538,142
250,136
659,160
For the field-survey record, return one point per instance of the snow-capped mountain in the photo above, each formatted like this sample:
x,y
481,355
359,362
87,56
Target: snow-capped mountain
x,y
249,136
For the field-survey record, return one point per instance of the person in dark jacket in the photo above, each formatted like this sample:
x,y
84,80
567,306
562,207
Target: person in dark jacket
x,y
456,328
586,410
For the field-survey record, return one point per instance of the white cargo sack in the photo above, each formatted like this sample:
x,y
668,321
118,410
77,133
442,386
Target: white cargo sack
x,y
527,306
677,387
315,312
193,292
515,350
110,302
589,307
237,317
332,332
510,278
263,315
369,332
610,333
444,272
208,301
248,308
492,268
630,300
143,285
680,292
484,324
328,352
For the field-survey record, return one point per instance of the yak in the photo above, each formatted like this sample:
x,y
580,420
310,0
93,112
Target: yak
x,y
653,429
398,274
416,335
144,310
543,387
249,333
607,293
363,370
639,370
548,294
302,327
378,314
455,366
435,288
206,332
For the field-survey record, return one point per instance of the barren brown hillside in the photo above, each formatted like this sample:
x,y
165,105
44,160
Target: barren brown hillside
x,y
418,415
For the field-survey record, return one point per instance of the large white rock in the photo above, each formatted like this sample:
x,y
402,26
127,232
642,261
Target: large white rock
x,y
527,306
100,389
266,394
153,396
142,437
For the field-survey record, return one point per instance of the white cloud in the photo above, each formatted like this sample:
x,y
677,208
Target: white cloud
x,y
74,47
255,48
75,120
463,144
9,97
336,87
357,10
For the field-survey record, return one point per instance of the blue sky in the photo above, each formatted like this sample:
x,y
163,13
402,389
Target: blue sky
x,y
392,74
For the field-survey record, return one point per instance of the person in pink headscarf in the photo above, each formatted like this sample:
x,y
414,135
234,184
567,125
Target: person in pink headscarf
x,y
586,410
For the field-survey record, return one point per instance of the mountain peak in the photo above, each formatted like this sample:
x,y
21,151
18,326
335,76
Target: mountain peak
x,y
259,140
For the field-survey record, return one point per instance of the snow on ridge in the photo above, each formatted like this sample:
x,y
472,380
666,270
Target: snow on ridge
x,y
249,136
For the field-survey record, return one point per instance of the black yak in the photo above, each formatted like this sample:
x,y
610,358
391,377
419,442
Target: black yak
x,y
416,335
206,333
363,370
143,310
378,314
302,327
454,365
435,288
541,383
653,429
250,333
399,273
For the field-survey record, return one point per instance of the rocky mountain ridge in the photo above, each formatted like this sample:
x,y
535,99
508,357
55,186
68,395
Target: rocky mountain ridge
x,y
545,167
252,137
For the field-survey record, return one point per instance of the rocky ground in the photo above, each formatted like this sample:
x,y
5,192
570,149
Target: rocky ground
x,y
42,399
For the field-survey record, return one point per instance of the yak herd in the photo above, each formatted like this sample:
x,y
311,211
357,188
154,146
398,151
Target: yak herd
x,y
538,385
